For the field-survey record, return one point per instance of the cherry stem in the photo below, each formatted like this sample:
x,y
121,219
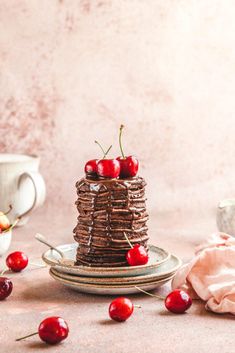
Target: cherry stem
x,y
36,265
3,271
100,147
107,151
120,140
8,211
127,239
11,226
22,338
30,263
150,294
104,152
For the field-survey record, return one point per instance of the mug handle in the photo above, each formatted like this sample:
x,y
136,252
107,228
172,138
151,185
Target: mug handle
x,y
39,189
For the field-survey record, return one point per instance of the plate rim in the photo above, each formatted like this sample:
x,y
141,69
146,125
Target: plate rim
x,y
125,278
107,269
105,286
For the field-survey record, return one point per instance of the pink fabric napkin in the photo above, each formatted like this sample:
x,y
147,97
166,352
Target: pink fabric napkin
x,y
210,275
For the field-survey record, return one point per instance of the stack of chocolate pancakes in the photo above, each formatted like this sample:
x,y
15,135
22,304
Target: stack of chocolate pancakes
x,y
108,209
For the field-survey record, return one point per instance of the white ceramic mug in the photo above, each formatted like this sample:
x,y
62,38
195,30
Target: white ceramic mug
x,y
21,185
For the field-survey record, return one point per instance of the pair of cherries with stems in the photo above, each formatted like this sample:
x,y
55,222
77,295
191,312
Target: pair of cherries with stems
x,y
120,167
120,309
15,262
177,302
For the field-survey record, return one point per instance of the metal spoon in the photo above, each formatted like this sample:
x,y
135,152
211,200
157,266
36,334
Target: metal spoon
x,y
43,240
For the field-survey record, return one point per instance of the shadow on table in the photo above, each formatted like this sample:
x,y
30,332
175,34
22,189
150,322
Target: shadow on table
x,y
50,291
108,322
198,311
38,345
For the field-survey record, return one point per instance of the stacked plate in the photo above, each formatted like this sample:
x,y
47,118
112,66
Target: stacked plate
x,y
160,269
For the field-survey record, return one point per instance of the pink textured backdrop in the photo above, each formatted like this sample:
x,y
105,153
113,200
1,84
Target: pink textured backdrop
x,y
71,71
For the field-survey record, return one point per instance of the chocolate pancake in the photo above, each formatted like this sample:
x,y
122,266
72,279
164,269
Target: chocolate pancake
x,y
107,209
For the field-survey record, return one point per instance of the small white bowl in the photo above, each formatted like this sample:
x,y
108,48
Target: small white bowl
x,y
5,241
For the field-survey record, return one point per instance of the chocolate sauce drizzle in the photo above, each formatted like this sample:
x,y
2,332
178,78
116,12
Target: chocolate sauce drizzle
x,y
107,208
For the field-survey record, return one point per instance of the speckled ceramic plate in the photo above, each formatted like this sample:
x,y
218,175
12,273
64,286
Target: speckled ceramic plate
x,y
103,289
157,256
167,269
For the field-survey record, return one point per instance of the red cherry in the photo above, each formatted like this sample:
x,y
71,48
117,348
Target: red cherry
x,y
129,166
53,330
108,168
91,166
137,255
17,261
121,309
5,287
178,301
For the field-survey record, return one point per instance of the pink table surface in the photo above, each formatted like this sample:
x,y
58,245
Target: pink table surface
x,y
150,329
